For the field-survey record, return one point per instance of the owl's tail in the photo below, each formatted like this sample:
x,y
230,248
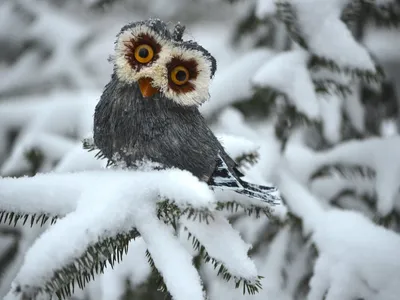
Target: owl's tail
x,y
267,194
224,179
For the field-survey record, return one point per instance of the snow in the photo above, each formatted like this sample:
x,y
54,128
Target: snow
x,y
380,154
356,257
232,122
331,115
45,126
238,75
79,159
265,8
271,267
92,214
134,268
354,109
47,193
226,247
237,146
382,43
167,254
52,147
321,19
287,72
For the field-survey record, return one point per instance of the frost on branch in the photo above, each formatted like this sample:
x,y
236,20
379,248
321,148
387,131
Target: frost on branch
x,y
100,212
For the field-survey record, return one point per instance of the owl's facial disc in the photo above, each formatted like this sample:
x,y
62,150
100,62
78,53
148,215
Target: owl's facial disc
x,y
148,54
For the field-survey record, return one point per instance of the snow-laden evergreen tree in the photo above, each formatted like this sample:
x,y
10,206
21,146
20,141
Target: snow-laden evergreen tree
x,y
305,96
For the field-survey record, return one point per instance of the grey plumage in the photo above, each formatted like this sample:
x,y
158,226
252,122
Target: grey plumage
x,y
167,127
132,128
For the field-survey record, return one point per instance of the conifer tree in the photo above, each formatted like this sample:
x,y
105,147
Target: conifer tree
x,y
309,102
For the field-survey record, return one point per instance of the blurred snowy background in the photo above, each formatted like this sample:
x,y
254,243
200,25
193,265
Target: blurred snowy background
x,y
301,81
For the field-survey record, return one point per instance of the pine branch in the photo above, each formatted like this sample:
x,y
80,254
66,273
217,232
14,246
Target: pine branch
x,y
330,86
159,281
287,14
169,212
288,119
317,62
382,15
12,218
350,172
247,286
249,210
83,269
250,158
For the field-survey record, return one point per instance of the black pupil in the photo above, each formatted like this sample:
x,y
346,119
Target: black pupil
x,y
143,53
181,76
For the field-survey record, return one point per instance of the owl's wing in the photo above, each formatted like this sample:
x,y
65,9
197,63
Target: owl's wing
x,y
224,178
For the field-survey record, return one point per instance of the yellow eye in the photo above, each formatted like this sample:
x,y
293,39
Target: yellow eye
x,y
144,53
180,75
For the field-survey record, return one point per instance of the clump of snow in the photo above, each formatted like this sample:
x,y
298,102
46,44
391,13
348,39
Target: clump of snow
x,y
380,154
134,268
79,159
357,259
226,246
287,72
321,19
93,214
354,109
331,114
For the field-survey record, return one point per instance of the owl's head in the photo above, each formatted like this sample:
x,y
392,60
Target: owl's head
x,y
149,54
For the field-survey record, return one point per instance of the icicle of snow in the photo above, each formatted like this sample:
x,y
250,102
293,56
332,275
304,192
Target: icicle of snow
x,y
237,76
287,72
226,246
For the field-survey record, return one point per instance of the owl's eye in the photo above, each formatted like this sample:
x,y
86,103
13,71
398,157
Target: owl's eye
x,y
144,54
180,75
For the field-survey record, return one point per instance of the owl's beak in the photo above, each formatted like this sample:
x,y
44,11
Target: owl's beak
x,y
146,87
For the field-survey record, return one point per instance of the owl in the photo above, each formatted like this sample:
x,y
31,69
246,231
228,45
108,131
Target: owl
x,y
149,111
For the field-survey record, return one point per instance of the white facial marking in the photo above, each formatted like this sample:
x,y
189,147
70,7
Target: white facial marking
x,y
157,70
